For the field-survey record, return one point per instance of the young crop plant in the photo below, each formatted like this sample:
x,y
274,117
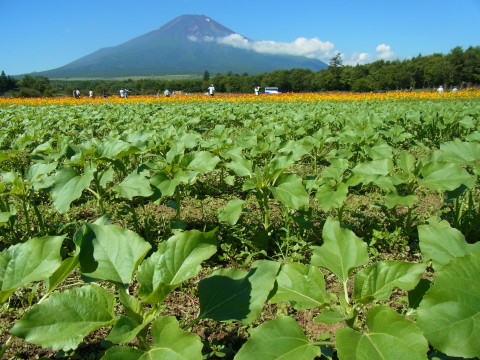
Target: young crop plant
x,y
442,312
106,253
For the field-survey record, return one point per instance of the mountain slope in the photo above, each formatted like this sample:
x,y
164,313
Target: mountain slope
x,y
186,45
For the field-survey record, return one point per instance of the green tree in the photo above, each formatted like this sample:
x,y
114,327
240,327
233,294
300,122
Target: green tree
x,y
6,83
206,75
33,86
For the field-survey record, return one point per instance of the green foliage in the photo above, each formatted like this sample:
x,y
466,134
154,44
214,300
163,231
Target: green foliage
x,y
390,336
265,175
277,339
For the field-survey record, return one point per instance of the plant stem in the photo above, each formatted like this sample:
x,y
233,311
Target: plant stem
x,y
5,347
27,216
41,223
191,323
178,199
345,292
99,200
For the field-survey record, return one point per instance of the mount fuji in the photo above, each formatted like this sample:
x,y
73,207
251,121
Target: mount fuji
x,y
187,45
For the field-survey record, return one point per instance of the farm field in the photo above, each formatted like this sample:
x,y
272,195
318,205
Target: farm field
x,y
289,226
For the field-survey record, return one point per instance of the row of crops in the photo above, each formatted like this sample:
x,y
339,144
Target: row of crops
x,y
362,215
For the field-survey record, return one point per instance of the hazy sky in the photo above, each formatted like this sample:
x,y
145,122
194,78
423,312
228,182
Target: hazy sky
x,y
43,35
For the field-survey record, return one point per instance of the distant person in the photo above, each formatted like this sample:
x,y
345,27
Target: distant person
x,y
76,93
126,93
211,90
104,94
166,93
440,89
90,94
257,90
454,90
122,92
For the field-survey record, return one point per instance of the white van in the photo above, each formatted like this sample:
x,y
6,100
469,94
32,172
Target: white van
x,y
271,90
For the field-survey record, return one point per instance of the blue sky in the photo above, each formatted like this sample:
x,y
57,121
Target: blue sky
x,y
42,35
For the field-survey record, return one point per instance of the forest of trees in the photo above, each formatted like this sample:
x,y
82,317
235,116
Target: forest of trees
x,y
460,68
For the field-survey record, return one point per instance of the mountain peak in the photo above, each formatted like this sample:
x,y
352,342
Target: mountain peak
x,y
196,27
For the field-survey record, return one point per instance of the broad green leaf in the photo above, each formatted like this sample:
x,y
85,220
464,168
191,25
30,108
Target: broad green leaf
x,y
373,168
449,313
133,185
231,212
234,294
332,316
278,165
336,169
297,148
6,215
108,252
241,167
64,270
64,319
106,177
171,342
277,339
380,152
34,260
133,306
392,199
166,185
440,176
37,175
290,191
341,252
189,140
122,353
406,162
460,152
377,281
329,198
390,337
303,286
201,161
69,185
441,243
176,260
124,330
113,149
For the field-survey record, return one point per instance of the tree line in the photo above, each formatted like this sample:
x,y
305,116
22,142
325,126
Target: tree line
x,y
460,68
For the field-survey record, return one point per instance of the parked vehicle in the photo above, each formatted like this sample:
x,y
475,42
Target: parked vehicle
x,y
271,90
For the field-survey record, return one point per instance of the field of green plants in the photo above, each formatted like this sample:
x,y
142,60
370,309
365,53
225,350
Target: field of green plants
x,y
246,231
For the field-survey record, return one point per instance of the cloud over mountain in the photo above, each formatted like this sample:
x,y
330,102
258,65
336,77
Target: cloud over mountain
x,y
313,48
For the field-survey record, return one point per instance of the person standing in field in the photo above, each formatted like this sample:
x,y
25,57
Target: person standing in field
x,y
166,92
257,90
211,90
122,92
90,94
440,89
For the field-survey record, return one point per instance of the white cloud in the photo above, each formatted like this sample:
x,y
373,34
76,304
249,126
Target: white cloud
x,y
311,48
236,40
385,52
